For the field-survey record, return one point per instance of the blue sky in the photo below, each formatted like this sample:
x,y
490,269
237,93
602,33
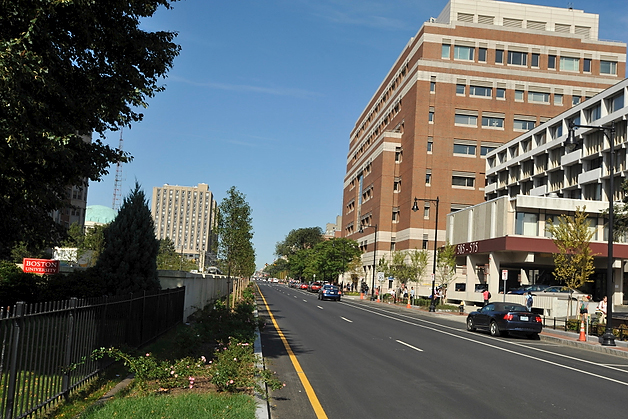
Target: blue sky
x,y
264,95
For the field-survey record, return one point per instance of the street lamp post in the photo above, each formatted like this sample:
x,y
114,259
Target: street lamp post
x,y
415,208
608,339
374,260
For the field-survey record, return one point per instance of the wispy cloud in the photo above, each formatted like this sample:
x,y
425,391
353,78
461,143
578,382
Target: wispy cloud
x,y
371,14
276,91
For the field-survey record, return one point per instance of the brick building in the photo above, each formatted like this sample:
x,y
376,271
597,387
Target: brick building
x,y
477,76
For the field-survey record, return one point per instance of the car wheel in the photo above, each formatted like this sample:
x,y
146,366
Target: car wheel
x,y
470,325
494,329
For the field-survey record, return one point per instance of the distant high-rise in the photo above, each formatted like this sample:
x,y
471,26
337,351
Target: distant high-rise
x,y
186,215
475,77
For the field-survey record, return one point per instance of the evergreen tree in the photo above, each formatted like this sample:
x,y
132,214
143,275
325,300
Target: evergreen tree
x,y
128,262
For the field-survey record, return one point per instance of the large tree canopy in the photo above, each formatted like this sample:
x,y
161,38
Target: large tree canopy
x,y
68,68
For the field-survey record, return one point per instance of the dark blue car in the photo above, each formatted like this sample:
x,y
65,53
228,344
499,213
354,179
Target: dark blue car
x,y
501,318
330,292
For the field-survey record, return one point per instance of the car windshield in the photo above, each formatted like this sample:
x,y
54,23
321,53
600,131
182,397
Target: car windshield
x,y
509,307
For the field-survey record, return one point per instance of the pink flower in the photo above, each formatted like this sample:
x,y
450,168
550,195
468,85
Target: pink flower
x,y
230,381
203,359
147,354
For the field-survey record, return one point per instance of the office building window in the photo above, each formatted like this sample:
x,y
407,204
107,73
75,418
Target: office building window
x,y
517,58
499,56
551,61
432,86
397,185
395,215
469,120
492,122
615,103
594,113
519,95
575,100
482,55
538,97
463,53
520,124
558,99
464,149
586,65
428,178
430,145
484,150
535,60
460,89
608,67
445,51
500,93
526,224
463,181
431,117
569,64
480,91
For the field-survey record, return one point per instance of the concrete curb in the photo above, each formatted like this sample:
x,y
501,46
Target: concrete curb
x,y
263,407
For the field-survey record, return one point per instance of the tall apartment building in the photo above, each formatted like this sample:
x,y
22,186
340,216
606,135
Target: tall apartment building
x,y
480,74
186,215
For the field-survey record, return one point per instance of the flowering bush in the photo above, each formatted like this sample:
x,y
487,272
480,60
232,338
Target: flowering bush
x,y
234,369
166,374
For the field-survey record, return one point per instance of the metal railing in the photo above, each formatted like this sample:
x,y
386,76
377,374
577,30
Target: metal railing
x,y
45,347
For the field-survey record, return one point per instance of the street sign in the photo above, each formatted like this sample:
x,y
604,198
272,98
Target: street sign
x,y
380,276
504,274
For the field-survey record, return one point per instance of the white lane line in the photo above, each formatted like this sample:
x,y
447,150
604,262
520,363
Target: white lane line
x,y
320,307
305,301
295,296
347,320
409,346
468,339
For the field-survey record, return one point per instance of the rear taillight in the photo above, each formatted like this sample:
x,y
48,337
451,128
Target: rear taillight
x,y
509,317
339,292
538,319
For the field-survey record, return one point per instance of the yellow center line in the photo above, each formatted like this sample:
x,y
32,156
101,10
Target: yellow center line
x,y
316,405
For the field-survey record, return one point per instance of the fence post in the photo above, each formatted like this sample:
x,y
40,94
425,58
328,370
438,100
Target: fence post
x,y
18,321
65,386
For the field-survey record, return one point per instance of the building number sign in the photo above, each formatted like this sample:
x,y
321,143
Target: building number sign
x,y
466,248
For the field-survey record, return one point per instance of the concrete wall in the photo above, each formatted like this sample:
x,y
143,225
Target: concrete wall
x,y
200,289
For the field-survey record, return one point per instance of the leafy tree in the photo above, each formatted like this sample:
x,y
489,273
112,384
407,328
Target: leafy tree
x,y
574,260
88,242
620,215
235,234
169,259
418,264
68,68
445,266
278,269
298,239
128,262
16,285
299,264
330,258
356,270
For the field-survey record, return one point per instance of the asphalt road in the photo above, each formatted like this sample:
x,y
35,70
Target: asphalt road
x,y
366,360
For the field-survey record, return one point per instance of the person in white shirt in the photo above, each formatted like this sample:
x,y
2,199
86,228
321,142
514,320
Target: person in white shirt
x,y
601,308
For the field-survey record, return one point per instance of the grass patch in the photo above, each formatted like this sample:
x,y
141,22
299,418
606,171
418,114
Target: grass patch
x,y
198,406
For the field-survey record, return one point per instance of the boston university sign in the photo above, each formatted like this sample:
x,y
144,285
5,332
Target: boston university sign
x,y
41,266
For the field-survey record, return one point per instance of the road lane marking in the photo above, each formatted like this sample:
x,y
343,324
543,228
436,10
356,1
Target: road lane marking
x,y
305,301
320,307
505,349
409,346
311,395
347,320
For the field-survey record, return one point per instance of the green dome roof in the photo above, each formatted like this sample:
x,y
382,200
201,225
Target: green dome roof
x,y
100,214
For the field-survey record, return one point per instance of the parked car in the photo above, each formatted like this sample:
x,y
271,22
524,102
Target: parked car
x,y
315,286
526,288
329,291
501,318
303,286
562,290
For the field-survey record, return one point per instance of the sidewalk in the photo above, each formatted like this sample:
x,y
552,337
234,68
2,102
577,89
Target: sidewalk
x,y
549,335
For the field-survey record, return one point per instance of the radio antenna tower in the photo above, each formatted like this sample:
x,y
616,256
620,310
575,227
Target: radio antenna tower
x,y
118,179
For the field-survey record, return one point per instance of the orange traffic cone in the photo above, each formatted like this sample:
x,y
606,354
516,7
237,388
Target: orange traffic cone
x,y
583,336
361,296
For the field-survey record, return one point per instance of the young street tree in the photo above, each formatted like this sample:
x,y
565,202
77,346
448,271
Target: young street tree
x,y
67,69
128,262
330,258
445,267
574,260
235,234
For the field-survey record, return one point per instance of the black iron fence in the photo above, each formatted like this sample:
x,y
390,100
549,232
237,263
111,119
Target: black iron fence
x,y
45,347
593,327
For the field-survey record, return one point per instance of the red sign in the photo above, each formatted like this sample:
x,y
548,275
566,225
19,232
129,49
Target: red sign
x,y
41,266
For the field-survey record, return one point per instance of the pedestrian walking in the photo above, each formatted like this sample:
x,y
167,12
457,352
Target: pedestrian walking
x,y
412,294
601,309
529,301
487,296
584,307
